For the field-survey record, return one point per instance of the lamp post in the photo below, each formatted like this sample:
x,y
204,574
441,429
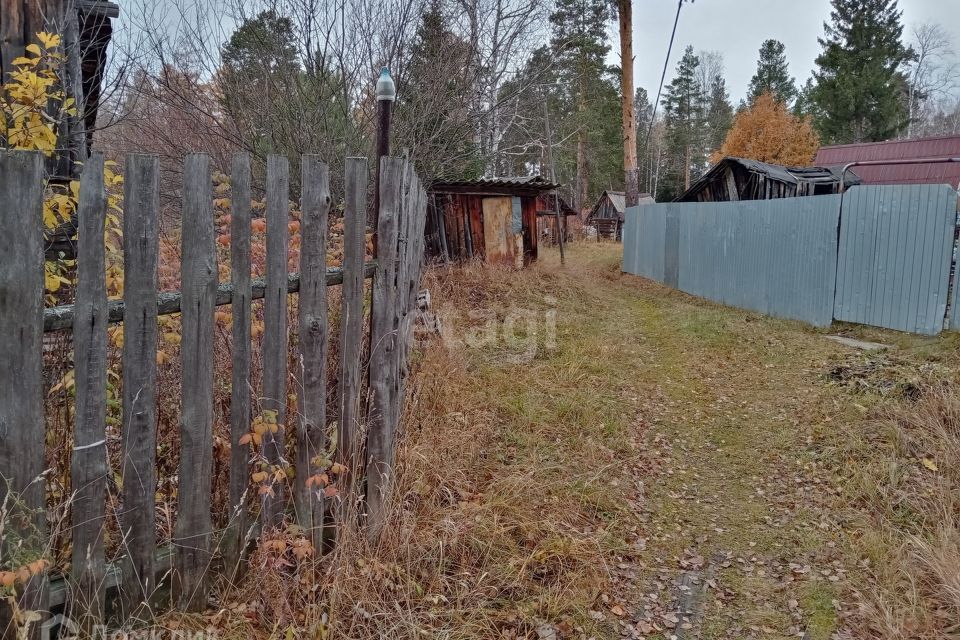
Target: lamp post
x,y
386,96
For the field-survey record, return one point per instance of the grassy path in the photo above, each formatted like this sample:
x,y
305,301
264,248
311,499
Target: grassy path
x,y
727,410
669,469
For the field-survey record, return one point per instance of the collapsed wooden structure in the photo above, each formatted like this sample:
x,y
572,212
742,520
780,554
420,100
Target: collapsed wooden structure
x,y
491,219
733,179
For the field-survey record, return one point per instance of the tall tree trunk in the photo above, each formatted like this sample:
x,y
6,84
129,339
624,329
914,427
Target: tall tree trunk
x,y
626,88
686,168
580,191
582,178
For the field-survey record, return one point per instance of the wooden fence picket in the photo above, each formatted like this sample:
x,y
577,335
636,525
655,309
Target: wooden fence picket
x,y
138,495
240,368
351,317
22,486
275,339
312,422
88,465
23,321
381,418
199,286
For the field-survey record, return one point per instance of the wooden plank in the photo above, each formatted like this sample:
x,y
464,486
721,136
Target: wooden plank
x,y
12,30
240,405
138,495
381,427
275,339
414,271
22,438
497,230
169,302
88,465
199,276
312,422
351,318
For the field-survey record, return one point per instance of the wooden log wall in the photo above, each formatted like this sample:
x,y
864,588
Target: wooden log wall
x,y
142,569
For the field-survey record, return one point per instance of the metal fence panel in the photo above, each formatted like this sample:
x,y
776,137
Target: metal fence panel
x,y
644,241
777,257
896,246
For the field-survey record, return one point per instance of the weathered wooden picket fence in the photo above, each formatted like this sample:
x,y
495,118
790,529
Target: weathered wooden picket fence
x,y
369,409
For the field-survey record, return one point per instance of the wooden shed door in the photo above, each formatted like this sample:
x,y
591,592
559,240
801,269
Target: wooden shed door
x,y
498,230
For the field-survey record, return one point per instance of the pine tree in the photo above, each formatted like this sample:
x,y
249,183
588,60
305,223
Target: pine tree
x,y
683,113
433,117
580,47
643,112
859,81
719,115
804,105
772,74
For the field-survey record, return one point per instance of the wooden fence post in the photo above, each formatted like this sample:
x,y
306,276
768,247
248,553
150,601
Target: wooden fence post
x,y
88,465
140,244
381,418
275,337
199,286
351,318
22,485
312,422
240,371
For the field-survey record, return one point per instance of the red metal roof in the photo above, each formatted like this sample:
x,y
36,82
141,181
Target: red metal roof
x,y
939,147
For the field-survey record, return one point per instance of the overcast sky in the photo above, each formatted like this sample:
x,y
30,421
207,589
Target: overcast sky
x,y
736,28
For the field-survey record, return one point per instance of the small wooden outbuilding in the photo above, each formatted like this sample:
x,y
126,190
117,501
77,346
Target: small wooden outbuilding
x,y
548,205
607,214
492,219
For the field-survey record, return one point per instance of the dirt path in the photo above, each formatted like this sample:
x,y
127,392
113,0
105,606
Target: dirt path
x,y
738,537
661,467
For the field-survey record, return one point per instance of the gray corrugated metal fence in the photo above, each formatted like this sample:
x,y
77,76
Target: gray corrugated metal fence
x,y
896,245
769,256
877,255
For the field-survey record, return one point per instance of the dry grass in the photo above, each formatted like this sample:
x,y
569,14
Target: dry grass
x,y
502,522
903,465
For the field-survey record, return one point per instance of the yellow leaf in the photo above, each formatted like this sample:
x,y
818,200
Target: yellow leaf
x,y
929,464
34,49
49,40
51,282
259,476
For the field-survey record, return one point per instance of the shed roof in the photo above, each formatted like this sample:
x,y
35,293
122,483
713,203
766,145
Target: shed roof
x,y
515,185
918,148
619,201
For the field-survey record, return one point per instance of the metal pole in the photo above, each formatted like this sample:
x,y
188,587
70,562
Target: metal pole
x,y
553,179
386,95
884,163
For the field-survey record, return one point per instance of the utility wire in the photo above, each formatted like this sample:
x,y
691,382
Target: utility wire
x,y
663,77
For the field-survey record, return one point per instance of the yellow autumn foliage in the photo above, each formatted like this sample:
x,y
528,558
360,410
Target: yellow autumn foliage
x,y
768,132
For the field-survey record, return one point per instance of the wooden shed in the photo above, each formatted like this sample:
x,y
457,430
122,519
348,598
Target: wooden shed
x,y
734,179
548,204
607,214
492,219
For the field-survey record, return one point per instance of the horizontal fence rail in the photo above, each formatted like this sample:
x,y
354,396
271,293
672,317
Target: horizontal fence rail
x,y
298,491
169,302
876,255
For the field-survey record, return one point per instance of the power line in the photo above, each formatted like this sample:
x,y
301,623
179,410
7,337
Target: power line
x,y
663,77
